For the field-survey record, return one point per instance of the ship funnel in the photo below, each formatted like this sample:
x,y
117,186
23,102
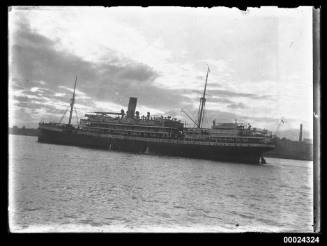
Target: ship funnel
x,y
300,135
131,107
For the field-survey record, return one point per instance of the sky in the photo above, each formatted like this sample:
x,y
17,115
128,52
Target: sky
x,y
260,63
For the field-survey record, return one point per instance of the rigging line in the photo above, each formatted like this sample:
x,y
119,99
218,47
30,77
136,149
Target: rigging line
x,y
76,115
62,117
189,117
280,123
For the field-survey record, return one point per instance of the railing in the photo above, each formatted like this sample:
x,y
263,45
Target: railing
x,y
231,140
256,132
141,118
55,124
107,125
176,136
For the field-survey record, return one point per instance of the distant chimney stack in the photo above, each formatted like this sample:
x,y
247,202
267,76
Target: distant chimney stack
x,y
131,107
300,135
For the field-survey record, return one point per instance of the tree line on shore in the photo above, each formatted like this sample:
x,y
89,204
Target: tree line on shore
x,y
23,131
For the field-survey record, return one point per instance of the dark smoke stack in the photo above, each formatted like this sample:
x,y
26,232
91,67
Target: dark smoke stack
x,y
131,107
300,136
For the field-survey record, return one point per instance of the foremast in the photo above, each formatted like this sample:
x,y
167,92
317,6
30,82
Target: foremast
x,y
202,102
72,104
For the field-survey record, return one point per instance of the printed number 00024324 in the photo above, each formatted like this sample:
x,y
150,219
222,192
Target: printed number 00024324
x,y
301,239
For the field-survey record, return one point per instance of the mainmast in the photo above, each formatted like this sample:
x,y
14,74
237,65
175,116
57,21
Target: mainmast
x,y
202,102
72,104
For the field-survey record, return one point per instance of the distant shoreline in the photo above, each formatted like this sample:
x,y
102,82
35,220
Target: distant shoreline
x,y
24,131
20,134
287,157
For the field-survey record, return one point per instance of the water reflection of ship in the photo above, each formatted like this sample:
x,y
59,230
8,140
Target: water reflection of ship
x,y
160,135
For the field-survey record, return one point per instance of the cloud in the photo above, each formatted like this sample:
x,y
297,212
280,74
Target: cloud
x,y
237,105
58,94
214,99
215,93
35,59
229,93
137,72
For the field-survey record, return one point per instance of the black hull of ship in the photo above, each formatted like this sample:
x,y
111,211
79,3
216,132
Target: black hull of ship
x,y
236,154
67,137
217,153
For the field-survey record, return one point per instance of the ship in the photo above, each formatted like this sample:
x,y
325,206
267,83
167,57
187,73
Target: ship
x,y
160,135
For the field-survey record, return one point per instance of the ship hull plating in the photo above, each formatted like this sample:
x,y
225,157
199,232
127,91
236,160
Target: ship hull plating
x,y
67,137
219,153
228,153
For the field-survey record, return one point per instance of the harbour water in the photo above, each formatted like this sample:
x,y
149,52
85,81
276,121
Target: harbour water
x,y
56,188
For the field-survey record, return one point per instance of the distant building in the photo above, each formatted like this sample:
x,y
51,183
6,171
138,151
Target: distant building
x,y
286,148
308,140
